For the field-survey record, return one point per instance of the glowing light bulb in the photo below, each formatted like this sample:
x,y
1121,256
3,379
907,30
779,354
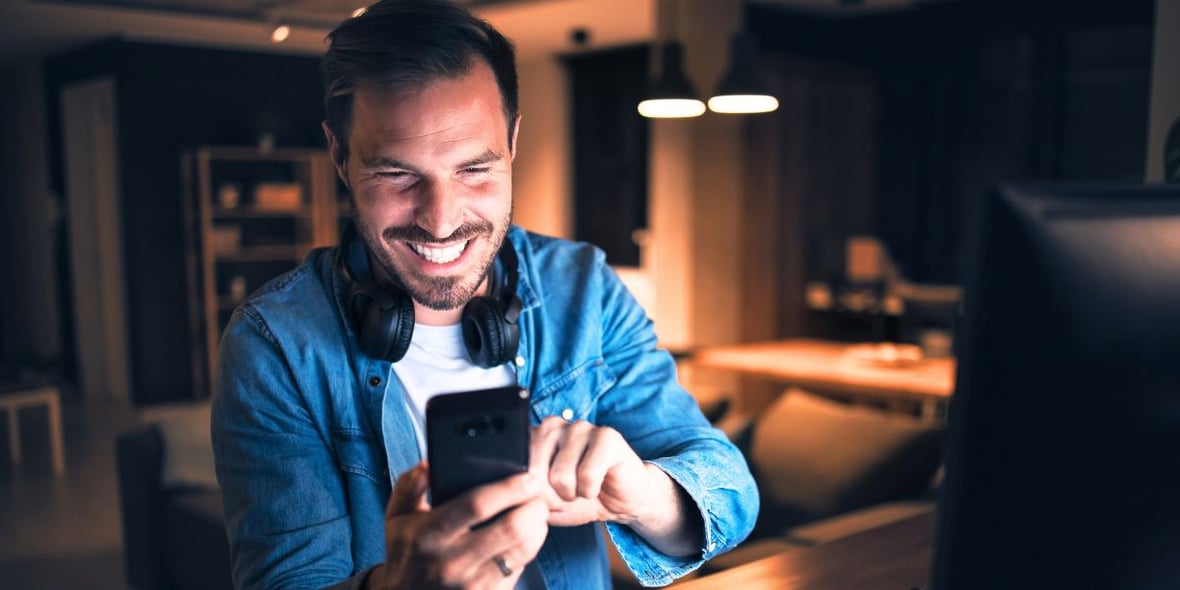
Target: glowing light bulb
x,y
280,34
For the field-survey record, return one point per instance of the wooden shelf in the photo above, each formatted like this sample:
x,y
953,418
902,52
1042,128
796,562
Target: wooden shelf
x,y
253,212
277,252
270,240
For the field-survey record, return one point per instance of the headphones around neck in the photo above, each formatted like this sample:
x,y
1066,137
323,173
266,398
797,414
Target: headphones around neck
x,y
383,316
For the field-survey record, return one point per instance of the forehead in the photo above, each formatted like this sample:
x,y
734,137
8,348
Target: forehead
x,y
465,102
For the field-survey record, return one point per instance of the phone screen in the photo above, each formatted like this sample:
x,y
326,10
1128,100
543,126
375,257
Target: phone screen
x,y
474,438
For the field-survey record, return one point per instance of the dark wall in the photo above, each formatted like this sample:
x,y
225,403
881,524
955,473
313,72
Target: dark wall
x,y
169,99
610,149
971,93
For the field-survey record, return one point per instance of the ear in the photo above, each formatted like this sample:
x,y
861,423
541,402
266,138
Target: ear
x,y
515,134
336,153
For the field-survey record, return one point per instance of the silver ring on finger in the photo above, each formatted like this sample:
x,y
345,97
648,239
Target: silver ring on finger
x,y
502,565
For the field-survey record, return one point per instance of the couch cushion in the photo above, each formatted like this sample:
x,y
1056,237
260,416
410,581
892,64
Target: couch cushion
x,y
195,545
188,446
815,458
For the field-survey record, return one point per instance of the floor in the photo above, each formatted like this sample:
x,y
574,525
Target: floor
x,y
63,532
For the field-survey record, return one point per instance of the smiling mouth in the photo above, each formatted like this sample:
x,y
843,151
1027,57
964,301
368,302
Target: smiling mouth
x,y
439,255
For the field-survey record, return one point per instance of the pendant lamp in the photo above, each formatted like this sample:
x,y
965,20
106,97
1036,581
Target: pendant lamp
x,y
670,94
742,90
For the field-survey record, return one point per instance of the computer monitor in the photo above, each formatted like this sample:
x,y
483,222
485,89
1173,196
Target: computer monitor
x,y
1063,435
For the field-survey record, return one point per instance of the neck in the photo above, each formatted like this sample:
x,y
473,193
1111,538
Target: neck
x,y
433,317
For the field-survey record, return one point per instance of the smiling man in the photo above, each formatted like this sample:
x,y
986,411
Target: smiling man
x,y
324,373
431,173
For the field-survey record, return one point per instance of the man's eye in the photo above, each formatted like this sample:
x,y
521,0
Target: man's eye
x,y
394,174
477,170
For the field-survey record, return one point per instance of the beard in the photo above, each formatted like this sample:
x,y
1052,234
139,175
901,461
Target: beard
x,y
439,293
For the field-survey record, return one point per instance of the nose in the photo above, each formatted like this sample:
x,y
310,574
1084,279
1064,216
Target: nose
x,y
440,209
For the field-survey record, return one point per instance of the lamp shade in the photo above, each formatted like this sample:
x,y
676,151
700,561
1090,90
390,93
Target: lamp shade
x,y
742,90
670,95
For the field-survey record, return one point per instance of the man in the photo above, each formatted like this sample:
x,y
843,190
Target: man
x,y
323,375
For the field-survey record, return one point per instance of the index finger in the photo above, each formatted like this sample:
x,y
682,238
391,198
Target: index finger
x,y
481,504
407,492
543,444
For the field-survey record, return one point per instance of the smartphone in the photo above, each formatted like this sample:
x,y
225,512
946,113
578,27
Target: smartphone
x,y
474,438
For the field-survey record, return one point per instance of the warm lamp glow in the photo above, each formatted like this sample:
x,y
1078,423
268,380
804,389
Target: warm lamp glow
x,y
280,34
670,95
671,108
742,90
743,103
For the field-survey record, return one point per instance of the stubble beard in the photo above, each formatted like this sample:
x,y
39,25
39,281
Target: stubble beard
x,y
440,293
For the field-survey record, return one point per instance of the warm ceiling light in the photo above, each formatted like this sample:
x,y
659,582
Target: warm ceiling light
x,y
280,34
743,103
671,108
742,90
359,11
671,96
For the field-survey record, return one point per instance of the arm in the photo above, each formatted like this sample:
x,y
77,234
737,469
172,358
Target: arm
x,y
673,490
285,507
663,424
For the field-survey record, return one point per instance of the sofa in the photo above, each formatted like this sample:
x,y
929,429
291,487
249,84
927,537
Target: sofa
x,y
825,470
173,532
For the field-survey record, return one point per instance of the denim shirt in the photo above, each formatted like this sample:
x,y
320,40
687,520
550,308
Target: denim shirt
x,y
309,433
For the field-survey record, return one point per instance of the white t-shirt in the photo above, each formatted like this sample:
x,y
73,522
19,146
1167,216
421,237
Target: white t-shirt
x,y
437,362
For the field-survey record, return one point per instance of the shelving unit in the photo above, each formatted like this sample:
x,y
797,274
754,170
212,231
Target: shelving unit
x,y
251,216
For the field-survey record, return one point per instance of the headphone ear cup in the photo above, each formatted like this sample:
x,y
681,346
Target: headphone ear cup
x,y
385,323
491,339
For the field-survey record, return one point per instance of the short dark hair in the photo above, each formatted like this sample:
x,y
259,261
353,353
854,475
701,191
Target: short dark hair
x,y
405,43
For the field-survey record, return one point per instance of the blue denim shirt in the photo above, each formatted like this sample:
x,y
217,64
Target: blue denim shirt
x,y
309,433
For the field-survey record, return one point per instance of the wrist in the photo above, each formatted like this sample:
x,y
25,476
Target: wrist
x,y
661,503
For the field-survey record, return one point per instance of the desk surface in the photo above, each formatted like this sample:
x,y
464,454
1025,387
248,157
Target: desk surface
x,y
827,365
896,556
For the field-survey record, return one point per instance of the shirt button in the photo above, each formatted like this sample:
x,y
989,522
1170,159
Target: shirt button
x,y
712,546
520,361
567,414
374,381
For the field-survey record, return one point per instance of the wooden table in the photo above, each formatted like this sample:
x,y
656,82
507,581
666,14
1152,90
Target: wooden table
x,y
828,366
895,556
12,400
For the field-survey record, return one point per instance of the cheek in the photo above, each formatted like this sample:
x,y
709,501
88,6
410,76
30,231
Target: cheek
x,y
493,199
379,203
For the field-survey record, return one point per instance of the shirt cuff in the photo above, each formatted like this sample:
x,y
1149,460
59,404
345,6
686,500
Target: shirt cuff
x,y
649,565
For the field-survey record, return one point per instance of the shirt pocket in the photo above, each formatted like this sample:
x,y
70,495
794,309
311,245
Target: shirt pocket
x,y
574,394
357,455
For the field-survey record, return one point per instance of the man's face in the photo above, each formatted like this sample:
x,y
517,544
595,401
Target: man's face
x,y
430,169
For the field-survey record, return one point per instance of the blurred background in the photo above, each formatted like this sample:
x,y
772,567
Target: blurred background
x,y
163,158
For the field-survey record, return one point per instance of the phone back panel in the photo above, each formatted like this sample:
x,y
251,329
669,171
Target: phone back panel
x,y
474,438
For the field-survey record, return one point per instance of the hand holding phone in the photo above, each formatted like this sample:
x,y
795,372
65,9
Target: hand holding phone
x,y
475,438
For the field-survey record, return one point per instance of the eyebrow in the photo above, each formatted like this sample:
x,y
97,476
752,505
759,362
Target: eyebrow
x,y
384,162
487,157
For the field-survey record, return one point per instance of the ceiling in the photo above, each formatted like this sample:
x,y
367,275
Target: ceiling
x,y
32,29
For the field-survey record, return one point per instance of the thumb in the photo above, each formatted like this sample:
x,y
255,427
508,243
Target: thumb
x,y
408,492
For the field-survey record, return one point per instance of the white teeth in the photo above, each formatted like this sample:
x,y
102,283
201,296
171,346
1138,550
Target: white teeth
x,y
439,255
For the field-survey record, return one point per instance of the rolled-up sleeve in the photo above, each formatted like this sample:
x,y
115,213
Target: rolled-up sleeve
x,y
665,427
